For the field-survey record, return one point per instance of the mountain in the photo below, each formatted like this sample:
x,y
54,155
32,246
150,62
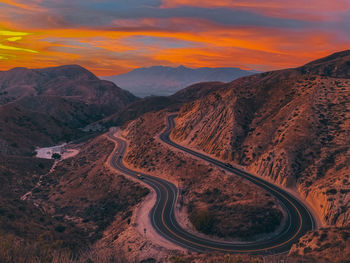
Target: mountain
x,y
41,107
165,81
71,82
291,126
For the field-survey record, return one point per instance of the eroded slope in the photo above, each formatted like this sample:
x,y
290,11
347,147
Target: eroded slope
x,y
291,126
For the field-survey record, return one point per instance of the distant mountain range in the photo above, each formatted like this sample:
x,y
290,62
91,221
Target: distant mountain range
x,y
165,81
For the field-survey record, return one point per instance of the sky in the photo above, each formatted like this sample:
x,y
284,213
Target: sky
x,y
115,36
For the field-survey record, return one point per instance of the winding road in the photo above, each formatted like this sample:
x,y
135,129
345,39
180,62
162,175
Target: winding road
x,y
299,220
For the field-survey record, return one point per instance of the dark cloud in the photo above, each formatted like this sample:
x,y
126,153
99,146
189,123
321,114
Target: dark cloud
x,y
97,13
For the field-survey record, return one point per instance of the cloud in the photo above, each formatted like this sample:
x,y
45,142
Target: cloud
x,y
269,7
13,39
110,37
12,36
12,33
17,48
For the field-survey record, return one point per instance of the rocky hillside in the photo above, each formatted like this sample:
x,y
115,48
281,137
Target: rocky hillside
x,y
76,211
42,121
323,246
291,126
87,193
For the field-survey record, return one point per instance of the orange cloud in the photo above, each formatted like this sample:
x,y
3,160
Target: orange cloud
x,y
130,42
107,52
232,55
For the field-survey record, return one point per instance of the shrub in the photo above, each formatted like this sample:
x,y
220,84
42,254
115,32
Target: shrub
x,y
331,191
60,228
56,156
203,221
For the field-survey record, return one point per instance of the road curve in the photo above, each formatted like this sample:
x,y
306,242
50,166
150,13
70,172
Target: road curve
x,y
299,219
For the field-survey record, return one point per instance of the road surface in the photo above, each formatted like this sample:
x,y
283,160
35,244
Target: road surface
x,y
299,220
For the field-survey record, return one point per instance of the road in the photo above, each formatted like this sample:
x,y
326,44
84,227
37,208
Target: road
x,y
299,220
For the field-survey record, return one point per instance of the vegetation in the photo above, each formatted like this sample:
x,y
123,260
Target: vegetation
x,y
28,234
13,249
236,221
56,156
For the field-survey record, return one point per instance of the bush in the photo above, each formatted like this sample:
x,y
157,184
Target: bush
x,y
56,156
203,221
331,191
60,228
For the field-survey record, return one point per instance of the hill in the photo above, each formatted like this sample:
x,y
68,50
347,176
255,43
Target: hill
x,y
74,206
41,107
70,82
165,81
291,126
157,103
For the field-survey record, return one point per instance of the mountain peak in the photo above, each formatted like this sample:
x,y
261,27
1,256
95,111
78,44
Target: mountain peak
x,y
73,72
18,69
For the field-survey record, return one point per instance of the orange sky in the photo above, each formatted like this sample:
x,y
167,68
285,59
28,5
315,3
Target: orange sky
x,y
110,37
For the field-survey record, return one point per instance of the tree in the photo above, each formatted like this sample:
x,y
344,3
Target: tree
x,y
56,156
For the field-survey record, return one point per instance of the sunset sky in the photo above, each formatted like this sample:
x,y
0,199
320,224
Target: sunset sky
x,y
114,36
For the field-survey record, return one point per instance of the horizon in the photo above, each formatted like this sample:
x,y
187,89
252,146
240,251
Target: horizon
x,y
110,38
150,67
181,66
253,71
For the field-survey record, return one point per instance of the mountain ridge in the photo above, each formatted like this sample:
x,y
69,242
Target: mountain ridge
x,y
165,81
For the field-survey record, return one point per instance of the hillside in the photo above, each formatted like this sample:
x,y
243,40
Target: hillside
x,y
157,103
41,107
165,81
78,205
42,121
215,202
290,126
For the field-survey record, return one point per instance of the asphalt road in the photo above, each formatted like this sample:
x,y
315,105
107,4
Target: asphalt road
x,y
299,219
